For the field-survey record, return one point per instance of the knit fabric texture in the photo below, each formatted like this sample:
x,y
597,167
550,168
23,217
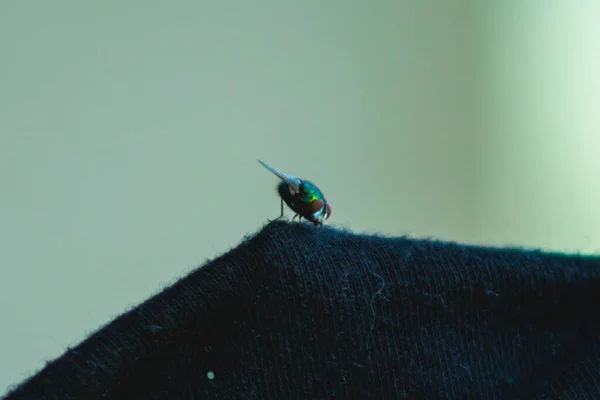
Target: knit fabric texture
x,y
299,312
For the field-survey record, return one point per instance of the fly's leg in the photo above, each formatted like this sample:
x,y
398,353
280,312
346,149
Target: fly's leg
x,y
281,216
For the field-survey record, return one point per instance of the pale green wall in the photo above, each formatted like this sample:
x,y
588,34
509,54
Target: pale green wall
x,y
538,131
129,133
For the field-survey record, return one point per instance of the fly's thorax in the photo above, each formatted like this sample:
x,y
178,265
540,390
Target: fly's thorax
x,y
311,192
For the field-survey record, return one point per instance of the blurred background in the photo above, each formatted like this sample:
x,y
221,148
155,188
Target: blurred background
x,y
129,133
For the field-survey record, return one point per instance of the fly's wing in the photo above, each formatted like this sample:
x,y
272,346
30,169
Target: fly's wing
x,y
289,179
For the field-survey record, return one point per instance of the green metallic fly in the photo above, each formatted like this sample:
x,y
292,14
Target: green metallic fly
x,y
302,196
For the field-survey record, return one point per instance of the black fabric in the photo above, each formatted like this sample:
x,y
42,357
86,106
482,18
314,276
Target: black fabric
x,y
298,312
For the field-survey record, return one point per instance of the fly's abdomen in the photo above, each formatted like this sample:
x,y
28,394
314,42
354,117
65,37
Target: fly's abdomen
x,y
292,200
